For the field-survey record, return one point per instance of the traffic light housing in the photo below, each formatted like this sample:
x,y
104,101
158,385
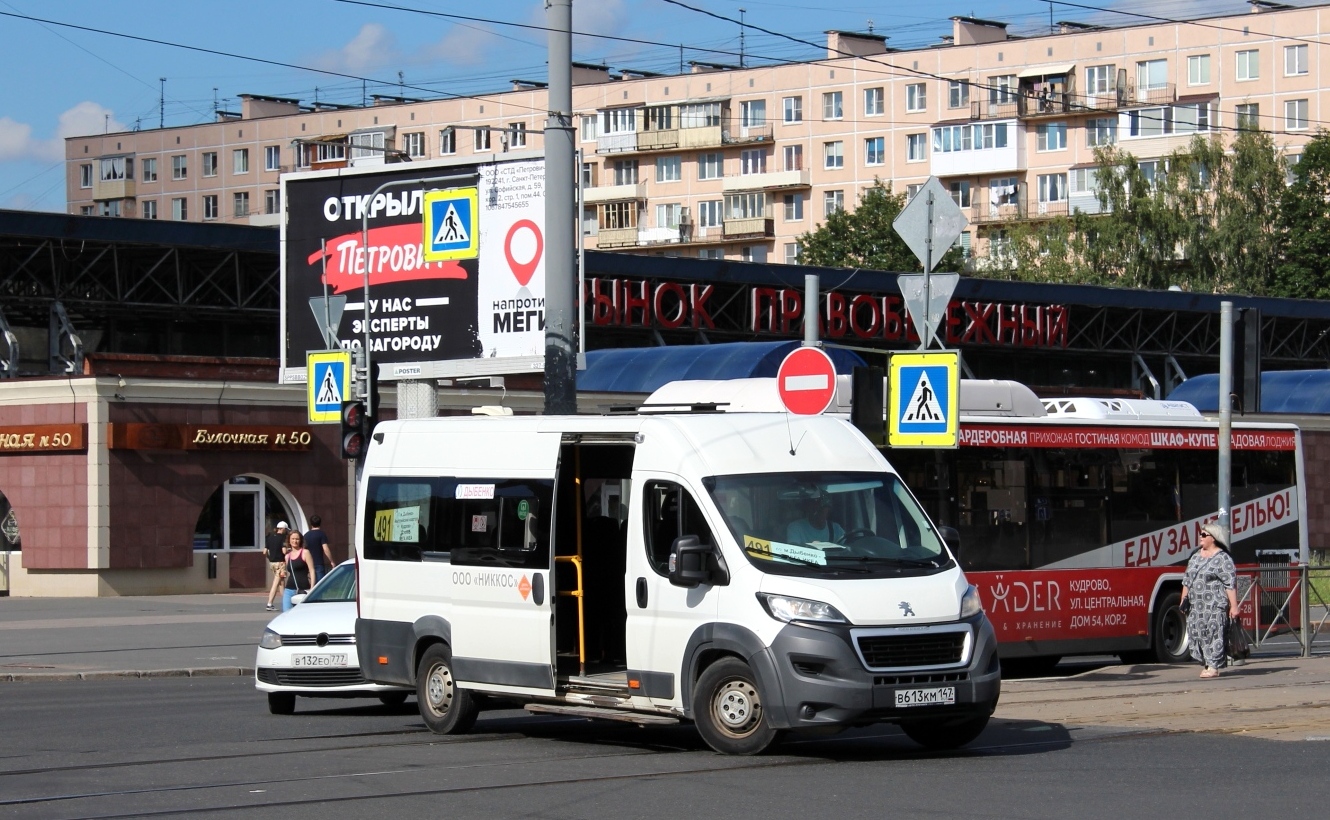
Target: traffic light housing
x,y
355,429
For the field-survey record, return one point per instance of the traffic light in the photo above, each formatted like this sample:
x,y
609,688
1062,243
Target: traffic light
x,y
355,429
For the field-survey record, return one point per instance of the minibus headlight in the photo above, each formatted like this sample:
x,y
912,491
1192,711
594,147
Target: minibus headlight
x,y
970,603
787,609
270,640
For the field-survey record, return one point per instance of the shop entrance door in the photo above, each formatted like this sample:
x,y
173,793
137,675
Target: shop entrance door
x,y
242,516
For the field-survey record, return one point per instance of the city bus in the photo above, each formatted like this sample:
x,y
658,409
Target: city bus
x,y
1077,515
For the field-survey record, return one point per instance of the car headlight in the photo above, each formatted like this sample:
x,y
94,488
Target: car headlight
x,y
270,640
970,603
787,609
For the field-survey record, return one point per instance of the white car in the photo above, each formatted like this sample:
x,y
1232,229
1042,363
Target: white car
x,y
310,650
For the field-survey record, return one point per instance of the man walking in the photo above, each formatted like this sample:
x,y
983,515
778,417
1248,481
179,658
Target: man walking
x,y
274,546
317,544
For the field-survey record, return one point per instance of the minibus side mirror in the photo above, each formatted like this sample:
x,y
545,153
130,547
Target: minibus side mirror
x,y
952,538
690,562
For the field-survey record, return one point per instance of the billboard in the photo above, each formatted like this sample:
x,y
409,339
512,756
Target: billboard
x,y
479,310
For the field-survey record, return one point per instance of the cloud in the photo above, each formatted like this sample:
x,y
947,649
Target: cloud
x,y
373,47
18,143
464,45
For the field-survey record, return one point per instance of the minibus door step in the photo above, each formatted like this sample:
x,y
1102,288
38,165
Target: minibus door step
x,y
595,713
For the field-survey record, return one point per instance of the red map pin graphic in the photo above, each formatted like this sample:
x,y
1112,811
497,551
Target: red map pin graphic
x,y
523,271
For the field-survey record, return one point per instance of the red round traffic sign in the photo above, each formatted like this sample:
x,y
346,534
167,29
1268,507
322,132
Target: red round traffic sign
x,y
806,381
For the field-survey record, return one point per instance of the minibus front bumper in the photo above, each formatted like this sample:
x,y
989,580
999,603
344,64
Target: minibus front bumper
x,y
835,675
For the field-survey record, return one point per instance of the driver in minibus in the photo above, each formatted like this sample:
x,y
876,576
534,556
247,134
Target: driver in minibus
x,y
815,525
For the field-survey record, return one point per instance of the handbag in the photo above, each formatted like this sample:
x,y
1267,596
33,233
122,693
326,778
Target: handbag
x,y
1235,637
1185,606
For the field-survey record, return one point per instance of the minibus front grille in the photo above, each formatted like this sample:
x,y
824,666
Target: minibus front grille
x,y
898,651
919,680
311,677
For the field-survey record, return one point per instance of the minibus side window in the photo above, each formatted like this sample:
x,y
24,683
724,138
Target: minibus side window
x,y
397,518
496,523
670,513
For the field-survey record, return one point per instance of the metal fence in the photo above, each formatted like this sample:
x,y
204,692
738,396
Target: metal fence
x,y
1286,604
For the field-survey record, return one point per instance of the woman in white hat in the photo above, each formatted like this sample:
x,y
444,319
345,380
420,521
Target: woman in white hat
x,y
1210,584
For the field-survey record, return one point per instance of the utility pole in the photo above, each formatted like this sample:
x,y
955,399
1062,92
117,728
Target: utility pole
x,y
741,37
161,105
560,347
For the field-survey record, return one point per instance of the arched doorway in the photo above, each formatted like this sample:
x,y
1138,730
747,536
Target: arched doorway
x,y
241,511
9,535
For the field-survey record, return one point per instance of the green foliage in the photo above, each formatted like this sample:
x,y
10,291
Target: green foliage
x,y
864,237
1304,271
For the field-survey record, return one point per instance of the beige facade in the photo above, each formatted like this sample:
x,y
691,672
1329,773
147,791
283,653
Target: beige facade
x,y
737,163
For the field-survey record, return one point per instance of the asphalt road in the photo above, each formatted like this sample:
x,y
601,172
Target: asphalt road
x,y
207,746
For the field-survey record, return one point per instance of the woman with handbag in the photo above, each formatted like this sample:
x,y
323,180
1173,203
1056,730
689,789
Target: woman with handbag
x,y
1210,599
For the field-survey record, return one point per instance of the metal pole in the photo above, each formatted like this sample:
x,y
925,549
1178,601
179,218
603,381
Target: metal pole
x,y
928,277
328,334
1225,413
1304,604
560,354
810,309
581,265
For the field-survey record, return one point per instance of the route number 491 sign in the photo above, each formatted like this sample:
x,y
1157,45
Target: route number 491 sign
x,y
924,399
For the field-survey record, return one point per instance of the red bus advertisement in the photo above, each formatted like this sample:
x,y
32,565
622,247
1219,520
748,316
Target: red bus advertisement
x,y
1076,520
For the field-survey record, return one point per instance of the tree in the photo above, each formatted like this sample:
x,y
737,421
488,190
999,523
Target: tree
x,y
864,237
1304,271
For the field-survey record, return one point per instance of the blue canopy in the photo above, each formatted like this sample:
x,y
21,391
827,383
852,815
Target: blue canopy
x,y
1305,392
644,369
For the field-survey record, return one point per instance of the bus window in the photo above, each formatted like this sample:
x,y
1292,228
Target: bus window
x,y
1069,499
1146,495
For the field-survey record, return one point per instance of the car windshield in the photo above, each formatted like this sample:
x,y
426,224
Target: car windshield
x,y
828,523
338,585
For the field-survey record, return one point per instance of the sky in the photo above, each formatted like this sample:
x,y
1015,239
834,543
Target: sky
x,y
66,82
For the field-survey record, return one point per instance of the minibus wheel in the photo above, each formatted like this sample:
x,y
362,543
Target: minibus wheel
x,y
446,707
943,734
282,703
728,710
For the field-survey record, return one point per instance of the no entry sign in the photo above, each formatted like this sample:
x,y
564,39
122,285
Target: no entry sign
x,y
806,381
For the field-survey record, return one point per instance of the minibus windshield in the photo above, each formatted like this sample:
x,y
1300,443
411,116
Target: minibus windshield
x,y
828,523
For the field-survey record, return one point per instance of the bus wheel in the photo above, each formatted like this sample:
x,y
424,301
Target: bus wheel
x,y
943,734
1170,633
728,710
446,707
282,703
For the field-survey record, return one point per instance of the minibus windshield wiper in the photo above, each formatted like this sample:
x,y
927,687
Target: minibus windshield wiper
x,y
908,562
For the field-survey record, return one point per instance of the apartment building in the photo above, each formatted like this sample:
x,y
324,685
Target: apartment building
x,y
737,163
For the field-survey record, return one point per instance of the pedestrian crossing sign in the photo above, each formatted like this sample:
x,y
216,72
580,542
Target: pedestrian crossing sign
x,y
328,378
452,228
924,399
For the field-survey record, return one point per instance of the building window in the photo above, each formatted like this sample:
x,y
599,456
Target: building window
x,y
210,206
85,175
792,253
240,201
793,108
1295,115
179,209
88,210
794,207
710,166
1249,65
916,97
832,201
272,202
111,207
833,105
589,174
1248,116
753,161
751,205
625,172
448,141
210,163
669,169
480,139
1052,187
117,168
874,102
618,215
792,158
1052,136
148,167
149,207
1295,61
1198,69
753,253
700,115
240,161
272,157
916,147
958,94
1003,191
752,113
833,154
1099,80
710,253
1101,131
960,192
875,151
618,121
668,215
1002,89
516,134
1149,122
589,128
1191,117
414,144
1151,75
710,213
1152,172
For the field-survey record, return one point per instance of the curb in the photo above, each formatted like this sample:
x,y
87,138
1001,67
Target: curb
x,y
205,672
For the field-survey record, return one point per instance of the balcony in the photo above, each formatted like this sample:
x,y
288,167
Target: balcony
x,y
1165,94
1019,207
614,193
619,143
658,140
113,189
616,238
767,182
750,228
994,110
738,135
702,136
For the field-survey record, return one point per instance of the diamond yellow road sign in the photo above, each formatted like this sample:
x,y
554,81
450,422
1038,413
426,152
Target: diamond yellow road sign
x,y
452,224
924,399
